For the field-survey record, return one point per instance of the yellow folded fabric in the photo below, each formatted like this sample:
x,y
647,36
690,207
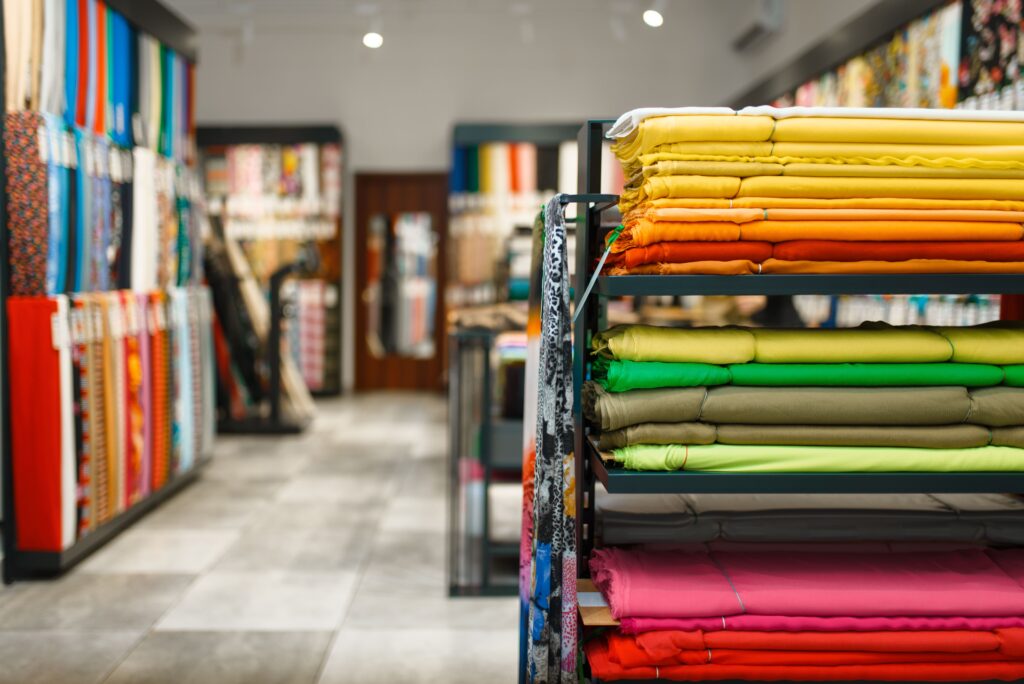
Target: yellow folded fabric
x,y
655,131
743,215
689,186
738,169
889,171
881,344
735,267
894,131
981,343
718,147
838,188
849,203
778,266
696,345
853,152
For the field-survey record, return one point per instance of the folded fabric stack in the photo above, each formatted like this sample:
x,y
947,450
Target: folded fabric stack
x,y
820,190
806,613
877,398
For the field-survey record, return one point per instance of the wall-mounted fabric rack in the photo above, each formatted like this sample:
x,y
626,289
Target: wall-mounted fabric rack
x,y
145,119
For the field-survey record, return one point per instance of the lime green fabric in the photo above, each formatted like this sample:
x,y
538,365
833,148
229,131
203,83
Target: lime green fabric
x,y
728,458
622,376
1000,343
687,345
866,374
866,344
1014,376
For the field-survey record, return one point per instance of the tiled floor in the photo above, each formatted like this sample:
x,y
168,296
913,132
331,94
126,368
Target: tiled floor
x,y
312,559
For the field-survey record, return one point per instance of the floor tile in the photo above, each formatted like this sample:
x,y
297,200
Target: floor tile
x,y
353,489
212,504
167,551
65,657
225,658
265,601
394,609
427,656
318,514
82,601
416,514
299,549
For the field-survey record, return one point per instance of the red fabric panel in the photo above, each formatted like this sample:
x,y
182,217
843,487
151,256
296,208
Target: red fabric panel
x,y
84,41
34,376
100,118
835,250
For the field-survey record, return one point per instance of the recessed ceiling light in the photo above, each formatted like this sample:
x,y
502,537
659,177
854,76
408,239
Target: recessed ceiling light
x,y
653,18
373,40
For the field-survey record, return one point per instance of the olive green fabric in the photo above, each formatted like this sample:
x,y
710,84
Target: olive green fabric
x,y
818,459
836,405
1008,436
657,433
997,406
866,374
609,411
622,376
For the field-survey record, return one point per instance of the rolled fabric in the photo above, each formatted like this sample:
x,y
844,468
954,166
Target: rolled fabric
x,y
840,250
747,215
746,167
682,252
891,171
777,266
864,153
695,345
613,411
892,131
691,268
997,407
867,344
914,436
729,458
656,131
866,374
909,203
833,406
841,188
790,624
1001,343
738,169
622,376
881,231
658,433
658,187
1014,375
1007,436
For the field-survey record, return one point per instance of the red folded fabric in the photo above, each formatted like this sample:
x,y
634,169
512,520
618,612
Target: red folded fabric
x,y
34,377
603,667
836,250
683,252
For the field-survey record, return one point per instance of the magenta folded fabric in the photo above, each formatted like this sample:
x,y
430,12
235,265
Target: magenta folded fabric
x,y
784,623
685,584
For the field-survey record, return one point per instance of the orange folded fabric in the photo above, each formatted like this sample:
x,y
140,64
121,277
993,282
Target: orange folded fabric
x,y
685,252
743,215
736,267
779,266
848,203
838,250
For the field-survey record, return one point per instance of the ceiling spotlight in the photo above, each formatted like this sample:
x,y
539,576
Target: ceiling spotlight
x,y
653,18
373,40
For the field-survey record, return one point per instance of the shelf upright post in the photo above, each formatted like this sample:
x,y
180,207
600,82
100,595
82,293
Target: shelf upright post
x,y
588,223
6,453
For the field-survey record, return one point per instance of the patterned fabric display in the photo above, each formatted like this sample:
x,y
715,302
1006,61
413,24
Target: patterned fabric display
x,y
552,618
27,203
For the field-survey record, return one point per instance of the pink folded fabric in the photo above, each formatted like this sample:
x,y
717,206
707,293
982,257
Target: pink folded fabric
x,y
684,584
788,623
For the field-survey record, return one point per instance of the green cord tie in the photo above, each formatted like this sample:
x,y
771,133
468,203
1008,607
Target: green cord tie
x,y
597,272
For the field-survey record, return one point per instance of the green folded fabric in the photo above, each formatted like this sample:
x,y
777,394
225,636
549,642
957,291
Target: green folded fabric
x,y
622,376
925,437
1014,376
727,458
866,344
690,345
866,374
609,411
997,406
1000,343
836,405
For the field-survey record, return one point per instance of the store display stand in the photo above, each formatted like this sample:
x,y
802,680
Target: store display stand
x,y
592,467
155,19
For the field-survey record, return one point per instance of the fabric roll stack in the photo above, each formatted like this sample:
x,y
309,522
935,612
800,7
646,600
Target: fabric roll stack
x,y
819,190
862,611
877,398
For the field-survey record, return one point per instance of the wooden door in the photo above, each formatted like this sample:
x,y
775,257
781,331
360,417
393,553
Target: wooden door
x,y
389,195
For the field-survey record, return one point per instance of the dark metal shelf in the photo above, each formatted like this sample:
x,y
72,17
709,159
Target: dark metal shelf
x,y
619,481
29,564
953,283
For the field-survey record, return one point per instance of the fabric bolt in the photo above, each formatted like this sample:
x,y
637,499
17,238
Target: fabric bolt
x,y
680,252
1002,342
997,406
145,341
160,365
28,203
865,374
1013,375
827,250
790,624
612,411
85,215
734,267
81,327
184,361
109,366
844,204
551,621
622,376
693,345
658,433
99,435
881,267
731,458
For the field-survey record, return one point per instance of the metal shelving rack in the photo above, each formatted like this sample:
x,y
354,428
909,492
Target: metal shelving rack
x,y
591,468
154,18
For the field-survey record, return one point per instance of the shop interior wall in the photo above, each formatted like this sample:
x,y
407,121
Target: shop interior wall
x,y
449,61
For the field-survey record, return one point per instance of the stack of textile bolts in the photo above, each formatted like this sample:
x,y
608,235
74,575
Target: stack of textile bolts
x,y
814,191
917,587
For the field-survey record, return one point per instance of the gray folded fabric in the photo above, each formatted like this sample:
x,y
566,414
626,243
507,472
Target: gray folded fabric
x,y
997,406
